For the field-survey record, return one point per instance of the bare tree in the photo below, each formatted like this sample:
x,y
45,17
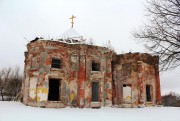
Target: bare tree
x,y
4,78
14,83
10,82
171,99
2,85
161,35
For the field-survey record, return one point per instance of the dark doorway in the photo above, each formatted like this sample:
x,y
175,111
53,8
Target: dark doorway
x,y
148,93
95,91
54,90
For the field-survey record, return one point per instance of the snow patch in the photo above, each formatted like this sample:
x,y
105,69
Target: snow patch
x,y
16,111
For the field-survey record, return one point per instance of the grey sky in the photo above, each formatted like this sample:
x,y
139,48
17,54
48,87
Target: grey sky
x,y
102,20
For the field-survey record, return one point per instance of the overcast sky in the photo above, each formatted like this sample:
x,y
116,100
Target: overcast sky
x,y
101,20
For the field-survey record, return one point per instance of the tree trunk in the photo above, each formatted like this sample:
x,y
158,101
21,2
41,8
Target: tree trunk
x,y
2,95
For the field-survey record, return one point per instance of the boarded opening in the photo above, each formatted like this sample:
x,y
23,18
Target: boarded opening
x,y
54,90
127,69
95,91
148,93
95,66
127,93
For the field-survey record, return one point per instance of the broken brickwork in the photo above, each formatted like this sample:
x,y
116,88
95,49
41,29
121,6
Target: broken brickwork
x,y
75,74
59,74
136,80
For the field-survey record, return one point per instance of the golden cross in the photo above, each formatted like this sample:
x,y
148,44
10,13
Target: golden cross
x,y
72,22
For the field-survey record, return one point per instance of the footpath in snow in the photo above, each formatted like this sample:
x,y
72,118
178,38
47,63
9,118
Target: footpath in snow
x,y
16,111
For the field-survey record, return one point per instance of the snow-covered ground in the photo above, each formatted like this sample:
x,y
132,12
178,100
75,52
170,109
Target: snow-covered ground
x,y
15,111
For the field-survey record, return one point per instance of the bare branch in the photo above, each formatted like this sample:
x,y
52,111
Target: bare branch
x,y
162,33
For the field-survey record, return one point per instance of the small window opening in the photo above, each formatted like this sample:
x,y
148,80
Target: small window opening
x,y
95,66
56,63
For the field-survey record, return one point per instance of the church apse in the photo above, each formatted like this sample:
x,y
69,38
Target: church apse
x,y
136,80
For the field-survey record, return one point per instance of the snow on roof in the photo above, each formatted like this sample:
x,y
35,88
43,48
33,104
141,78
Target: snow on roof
x,y
71,33
71,36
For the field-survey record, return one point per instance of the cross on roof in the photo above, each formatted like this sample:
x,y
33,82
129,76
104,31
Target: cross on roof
x,y
72,22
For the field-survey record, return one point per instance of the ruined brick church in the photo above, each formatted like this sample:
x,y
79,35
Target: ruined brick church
x,y
69,72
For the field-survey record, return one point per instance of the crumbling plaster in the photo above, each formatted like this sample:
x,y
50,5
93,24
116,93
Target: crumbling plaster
x,y
142,72
76,75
